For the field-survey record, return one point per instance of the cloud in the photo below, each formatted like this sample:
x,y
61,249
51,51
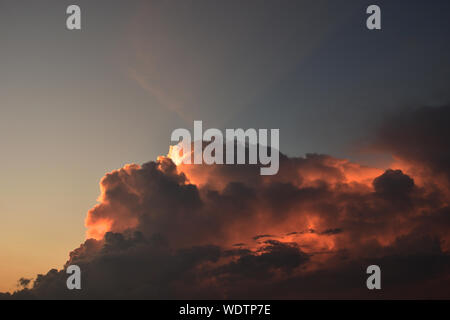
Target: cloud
x,y
420,137
332,231
197,231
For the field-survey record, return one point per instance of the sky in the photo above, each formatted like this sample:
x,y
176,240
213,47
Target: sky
x,y
78,104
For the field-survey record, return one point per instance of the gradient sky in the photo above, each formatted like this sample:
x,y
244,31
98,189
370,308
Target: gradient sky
x,y
76,104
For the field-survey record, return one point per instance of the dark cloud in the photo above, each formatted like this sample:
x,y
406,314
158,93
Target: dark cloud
x,y
273,256
421,136
393,182
262,236
23,282
332,231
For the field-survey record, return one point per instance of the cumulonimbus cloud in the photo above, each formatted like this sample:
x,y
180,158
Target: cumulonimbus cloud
x,y
223,231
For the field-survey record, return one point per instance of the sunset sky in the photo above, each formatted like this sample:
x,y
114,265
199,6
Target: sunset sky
x,y
76,105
